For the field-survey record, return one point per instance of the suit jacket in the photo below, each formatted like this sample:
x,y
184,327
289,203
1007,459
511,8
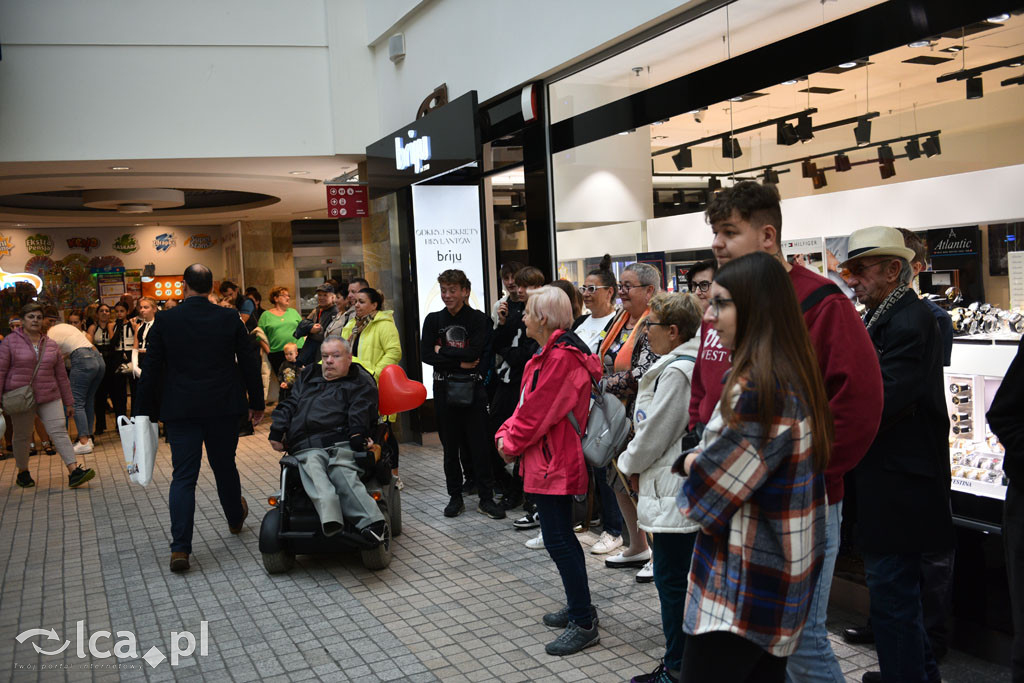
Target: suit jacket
x,y
903,481
199,363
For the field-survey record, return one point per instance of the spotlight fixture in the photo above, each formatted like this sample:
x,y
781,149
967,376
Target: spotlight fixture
x,y
771,177
862,132
999,18
843,163
683,158
885,153
785,134
920,43
847,65
714,184
804,129
808,168
887,169
819,181
913,149
731,147
931,146
975,89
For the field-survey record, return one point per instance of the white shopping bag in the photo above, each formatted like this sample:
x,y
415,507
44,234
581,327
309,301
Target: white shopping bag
x,y
139,440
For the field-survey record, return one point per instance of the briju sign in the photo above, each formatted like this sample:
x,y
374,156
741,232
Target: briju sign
x,y
413,153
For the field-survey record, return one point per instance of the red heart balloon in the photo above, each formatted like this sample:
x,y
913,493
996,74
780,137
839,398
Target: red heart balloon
x,y
397,392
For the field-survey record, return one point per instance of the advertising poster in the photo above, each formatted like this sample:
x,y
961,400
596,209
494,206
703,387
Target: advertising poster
x,y
133,283
111,287
807,252
656,259
447,235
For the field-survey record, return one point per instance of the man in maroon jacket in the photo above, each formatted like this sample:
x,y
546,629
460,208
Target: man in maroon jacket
x,y
747,218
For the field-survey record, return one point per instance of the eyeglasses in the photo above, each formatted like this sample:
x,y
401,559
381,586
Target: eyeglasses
x,y
648,324
590,289
858,269
624,287
715,305
703,285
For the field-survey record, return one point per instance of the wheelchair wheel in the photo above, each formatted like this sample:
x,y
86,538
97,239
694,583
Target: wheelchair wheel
x,y
379,557
395,509
279,562
277,559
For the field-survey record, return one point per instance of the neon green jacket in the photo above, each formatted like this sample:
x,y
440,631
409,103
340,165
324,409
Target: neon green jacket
x,y
379,344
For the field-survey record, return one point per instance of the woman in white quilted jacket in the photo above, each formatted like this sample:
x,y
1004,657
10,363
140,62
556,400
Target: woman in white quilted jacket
x,y
660,418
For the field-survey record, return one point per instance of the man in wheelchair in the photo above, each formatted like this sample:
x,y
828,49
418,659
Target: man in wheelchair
x,y
325,425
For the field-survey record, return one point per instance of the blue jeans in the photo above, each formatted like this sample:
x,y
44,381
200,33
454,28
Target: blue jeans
x,y
87,369
220,434
904,653
813,659
672,556
565,550
611,516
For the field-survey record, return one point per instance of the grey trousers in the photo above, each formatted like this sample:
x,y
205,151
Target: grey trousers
x,y
331,479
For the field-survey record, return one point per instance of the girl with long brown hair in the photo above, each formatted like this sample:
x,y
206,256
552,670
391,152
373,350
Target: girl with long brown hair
x,y
755,483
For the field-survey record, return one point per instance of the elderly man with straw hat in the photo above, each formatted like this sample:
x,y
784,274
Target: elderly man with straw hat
x,y
903,481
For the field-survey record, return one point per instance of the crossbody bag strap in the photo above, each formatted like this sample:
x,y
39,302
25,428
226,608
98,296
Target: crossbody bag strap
x,y
817,295
42,350
678,358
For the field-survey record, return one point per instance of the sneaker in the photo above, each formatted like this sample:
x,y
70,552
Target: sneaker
x,y
606,543
48,448
491,509
510,501
399,484
83,448
25,480
579,528
536,543
455,507
560,619
646,575
659,675
80,476
573,639
374,533
623,561
527,521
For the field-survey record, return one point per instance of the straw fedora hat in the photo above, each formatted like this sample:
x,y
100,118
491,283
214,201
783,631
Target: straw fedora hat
x,y
877,241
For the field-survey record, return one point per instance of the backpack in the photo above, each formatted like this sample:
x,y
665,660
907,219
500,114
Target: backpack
x,y
607,427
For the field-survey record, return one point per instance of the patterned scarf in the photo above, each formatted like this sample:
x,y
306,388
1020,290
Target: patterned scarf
x,y
886,304
361,323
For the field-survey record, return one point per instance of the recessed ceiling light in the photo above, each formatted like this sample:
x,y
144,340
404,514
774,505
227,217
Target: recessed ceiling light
x,y
847,65
120,168
736,99
789,82
306,218
138,225
920,43
1015,64
658,123
659,137
999,18
298,172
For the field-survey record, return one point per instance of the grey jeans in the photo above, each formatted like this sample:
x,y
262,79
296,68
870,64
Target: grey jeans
x,y
87,369
331,479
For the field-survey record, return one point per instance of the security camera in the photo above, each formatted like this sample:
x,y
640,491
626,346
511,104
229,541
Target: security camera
x,y
698,114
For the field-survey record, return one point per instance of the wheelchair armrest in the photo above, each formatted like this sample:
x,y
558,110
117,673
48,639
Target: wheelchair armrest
x,y
289,461
365,460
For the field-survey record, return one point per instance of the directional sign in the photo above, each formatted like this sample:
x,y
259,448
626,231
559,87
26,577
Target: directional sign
x,y
347,201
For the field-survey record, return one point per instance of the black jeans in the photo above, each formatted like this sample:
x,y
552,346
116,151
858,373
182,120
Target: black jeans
x,y
937,598
611,516
220,434
464,429
672,556
564,548
276,358
1013,540
725,657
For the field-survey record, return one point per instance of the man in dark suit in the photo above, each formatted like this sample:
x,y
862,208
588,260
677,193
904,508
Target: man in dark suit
x,y
198,368
903,482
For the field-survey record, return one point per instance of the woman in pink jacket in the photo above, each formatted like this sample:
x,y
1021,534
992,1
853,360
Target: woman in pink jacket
x,y
19,353
555,382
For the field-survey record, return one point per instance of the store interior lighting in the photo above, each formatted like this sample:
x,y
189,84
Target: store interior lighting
x,y
731,147
862,132
913,149
931,146
975,88
808,168
885,153
683,158
771,176
804,128
819,181
842,163
887,169
714,184
785,134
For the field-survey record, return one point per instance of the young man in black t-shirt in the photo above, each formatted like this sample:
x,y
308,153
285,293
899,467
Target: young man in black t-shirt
x,y
453,342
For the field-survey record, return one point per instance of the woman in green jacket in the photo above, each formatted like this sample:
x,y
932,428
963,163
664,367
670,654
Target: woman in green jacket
x,y
375,345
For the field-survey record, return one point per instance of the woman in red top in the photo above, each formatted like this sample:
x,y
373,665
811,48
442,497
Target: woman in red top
x,y
556,381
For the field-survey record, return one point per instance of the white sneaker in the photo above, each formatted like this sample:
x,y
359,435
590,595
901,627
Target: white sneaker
x,y
536,543
606,543
83,448
646,575
399,484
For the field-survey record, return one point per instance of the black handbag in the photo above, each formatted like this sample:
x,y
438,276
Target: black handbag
x,y
460,390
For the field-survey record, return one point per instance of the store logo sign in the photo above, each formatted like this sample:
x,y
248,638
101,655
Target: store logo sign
x,y
164,241
86,243
200,241
955,244
12,279
126,244
413,153
39,245
6,245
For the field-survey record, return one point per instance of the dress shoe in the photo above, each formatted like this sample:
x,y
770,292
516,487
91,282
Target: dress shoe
x,y
245,513
859,635
179,562
871,677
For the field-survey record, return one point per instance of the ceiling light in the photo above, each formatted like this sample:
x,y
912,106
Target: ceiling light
x,y
848,65
771,177
975,89
1015,64
714,184
920,43
885,153
792,81
843,163
887,169
808,168
659,137
955,48
305,218
736,99
913,149
298,172
731,147
931,146
804,128
999,18
683,158
120,168
819,181
785,134
658,123
862,132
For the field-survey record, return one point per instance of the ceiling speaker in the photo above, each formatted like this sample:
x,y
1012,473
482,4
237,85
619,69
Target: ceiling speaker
x,y
396,47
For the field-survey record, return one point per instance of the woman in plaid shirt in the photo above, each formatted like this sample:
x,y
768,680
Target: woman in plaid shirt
x,y
755,484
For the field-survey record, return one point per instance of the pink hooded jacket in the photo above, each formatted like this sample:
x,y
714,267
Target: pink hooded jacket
x,y
18,359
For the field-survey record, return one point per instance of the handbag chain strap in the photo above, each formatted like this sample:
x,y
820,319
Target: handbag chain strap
x,y
39,358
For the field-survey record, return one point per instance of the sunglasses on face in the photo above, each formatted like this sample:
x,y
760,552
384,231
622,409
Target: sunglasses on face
x,y
858,269
590,289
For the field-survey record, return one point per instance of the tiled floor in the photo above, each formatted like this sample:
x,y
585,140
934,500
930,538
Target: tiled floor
x,y
461,601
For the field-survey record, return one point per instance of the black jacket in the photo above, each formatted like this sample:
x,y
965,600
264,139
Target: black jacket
x,y
199,363
1006,417
903,481
514,347
462,338
338,409
310,351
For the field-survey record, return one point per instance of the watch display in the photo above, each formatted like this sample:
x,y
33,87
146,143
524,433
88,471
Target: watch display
x,y
975,454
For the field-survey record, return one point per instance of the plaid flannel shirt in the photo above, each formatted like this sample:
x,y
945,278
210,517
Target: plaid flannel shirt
x,y
762,510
